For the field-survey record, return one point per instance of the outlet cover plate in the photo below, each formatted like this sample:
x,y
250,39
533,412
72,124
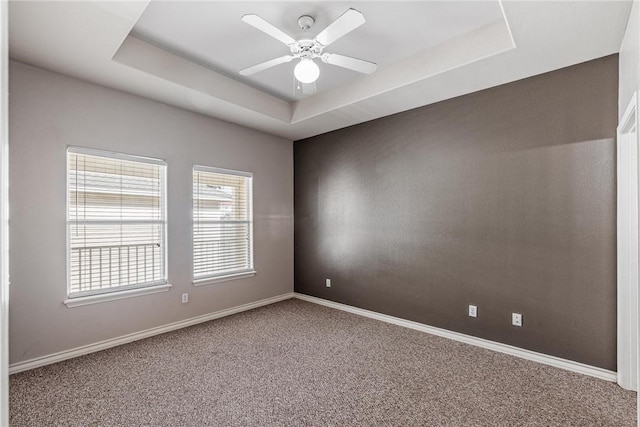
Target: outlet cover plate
x,y
473,310
516,319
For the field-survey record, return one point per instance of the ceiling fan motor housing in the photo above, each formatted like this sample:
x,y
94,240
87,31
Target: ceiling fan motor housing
x,y
307,49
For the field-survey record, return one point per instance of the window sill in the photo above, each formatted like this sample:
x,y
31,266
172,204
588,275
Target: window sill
x,y
112,296
234,276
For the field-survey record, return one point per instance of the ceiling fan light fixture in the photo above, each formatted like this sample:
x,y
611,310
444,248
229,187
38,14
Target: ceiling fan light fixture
x,y
306,71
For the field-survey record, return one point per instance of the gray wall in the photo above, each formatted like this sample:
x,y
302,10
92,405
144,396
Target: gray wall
x,y
49,111
629,60
503,198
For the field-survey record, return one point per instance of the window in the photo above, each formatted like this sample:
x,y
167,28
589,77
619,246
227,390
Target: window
x,y
222,225
116,222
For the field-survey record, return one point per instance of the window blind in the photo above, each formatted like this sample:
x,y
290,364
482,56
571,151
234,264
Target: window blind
x,y
116,221
222,223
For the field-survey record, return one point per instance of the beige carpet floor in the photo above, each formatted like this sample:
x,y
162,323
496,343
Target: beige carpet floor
x,y
298,364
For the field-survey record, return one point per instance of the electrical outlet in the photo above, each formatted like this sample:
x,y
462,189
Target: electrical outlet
x,y
328,283
516,319
473,310
185,298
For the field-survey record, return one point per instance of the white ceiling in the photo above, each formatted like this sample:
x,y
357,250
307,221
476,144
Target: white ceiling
x,y
184,52
215,37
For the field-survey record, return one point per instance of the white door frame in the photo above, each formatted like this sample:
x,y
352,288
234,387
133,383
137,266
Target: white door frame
x,y
4,215
627,259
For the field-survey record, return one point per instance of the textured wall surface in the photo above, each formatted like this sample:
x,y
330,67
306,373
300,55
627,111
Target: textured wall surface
x,y
48,112
503,198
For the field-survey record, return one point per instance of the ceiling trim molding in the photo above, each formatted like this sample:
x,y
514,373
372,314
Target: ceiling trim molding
x,y
156,61
487,41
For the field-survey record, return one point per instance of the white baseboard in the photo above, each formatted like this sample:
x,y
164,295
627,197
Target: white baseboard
x,y
545,359
456,336
113,342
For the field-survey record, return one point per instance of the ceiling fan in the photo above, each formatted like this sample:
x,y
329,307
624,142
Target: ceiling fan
x,y
306,50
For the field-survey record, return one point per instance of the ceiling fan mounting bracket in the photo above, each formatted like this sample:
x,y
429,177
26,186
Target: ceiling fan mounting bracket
x,y
306,22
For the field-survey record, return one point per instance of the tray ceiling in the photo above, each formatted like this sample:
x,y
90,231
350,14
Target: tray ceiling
x,y
215,37
187,53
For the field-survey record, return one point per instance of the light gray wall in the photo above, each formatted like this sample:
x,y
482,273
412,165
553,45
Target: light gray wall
x,y
48,112
629,60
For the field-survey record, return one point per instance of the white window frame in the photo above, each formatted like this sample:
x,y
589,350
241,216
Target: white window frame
x,y
92,297
250,270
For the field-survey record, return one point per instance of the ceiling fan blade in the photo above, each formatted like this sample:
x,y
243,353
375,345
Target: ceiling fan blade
x,y
354,64
347,22
265,27
264,65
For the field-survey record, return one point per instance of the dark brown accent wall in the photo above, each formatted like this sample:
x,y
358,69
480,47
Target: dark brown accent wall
x,y
503,198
